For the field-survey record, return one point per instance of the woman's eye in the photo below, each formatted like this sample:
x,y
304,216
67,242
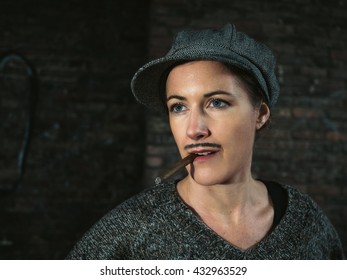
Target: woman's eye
x,y
218,103
177,108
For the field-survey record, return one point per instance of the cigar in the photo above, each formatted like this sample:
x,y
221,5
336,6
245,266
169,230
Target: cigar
x,y
175,168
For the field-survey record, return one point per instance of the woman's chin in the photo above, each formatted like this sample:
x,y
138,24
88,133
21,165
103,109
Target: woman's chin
x,y
206,179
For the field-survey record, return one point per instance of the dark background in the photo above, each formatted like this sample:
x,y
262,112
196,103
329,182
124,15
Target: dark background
x,y
92,146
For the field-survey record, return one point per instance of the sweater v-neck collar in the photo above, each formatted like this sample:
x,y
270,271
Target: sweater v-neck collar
x,y
278,229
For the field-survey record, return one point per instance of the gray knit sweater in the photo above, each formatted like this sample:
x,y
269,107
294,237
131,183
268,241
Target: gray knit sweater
x,y
156,224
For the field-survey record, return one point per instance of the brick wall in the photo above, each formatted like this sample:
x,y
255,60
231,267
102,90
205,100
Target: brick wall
x,y
87,147
306,146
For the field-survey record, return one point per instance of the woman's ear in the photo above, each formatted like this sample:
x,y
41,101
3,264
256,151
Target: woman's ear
x,y
263,115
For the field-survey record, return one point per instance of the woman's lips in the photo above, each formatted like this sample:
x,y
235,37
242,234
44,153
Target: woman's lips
x,y
203,151
204,155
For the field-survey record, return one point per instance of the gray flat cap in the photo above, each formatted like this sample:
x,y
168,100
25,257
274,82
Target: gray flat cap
x,y
226,45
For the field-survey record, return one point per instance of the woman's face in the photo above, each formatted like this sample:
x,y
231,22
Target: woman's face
x,y
211,115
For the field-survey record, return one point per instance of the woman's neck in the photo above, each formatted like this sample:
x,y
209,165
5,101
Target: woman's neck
x,y
241,212
229,200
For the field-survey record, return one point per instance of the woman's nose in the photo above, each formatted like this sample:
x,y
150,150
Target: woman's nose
x,y
197,126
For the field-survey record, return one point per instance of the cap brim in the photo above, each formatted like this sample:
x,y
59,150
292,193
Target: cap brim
x,y
147,82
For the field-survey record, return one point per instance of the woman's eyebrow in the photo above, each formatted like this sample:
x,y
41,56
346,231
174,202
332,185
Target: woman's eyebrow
x,y
179,97
206,95
218,92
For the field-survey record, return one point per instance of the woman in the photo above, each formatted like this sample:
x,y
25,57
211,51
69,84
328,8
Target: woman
x,y
218,87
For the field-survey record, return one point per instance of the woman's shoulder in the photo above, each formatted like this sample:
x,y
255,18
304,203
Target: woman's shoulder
x,y
315,224
305,226
301,201
151,202
295,205
150,199
111,235
297,201
303,209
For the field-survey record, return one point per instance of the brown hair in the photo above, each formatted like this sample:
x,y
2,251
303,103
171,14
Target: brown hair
x,y
251,85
